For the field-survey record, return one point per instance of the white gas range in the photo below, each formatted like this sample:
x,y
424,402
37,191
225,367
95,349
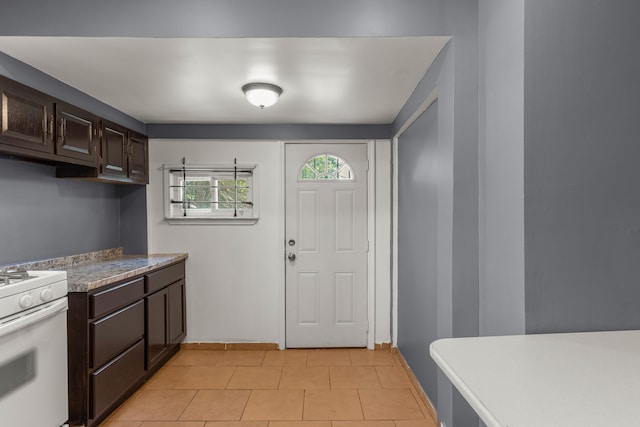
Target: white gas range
x,y
33,348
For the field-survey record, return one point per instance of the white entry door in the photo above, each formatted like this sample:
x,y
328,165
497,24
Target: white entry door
x,y
326,245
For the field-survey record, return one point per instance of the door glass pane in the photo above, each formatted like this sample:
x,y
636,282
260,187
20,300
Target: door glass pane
x,y
326,167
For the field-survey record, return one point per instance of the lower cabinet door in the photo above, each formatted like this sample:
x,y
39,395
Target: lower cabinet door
x,y
157,331
177,321
113,380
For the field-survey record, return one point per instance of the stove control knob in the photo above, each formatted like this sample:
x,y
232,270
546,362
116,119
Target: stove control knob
x,y
46,294
26,301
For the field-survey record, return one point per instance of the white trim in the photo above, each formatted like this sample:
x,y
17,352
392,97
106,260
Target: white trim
x,y
371,235
282,330
394,243
211,221
431,98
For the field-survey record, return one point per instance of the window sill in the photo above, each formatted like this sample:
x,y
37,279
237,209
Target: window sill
x,y
211,221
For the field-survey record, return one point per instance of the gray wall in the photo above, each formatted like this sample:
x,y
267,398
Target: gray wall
x,y
582,197
418,247
44,217
133,218
267,131
501,174
454,76
223,18
106,215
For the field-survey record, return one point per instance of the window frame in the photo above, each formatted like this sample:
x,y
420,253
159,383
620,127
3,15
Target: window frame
x,y
208,216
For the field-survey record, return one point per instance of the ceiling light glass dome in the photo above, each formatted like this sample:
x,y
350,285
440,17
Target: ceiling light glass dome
x,y
262,95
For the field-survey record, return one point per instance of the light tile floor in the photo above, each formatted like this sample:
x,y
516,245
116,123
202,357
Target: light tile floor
x,y
291,388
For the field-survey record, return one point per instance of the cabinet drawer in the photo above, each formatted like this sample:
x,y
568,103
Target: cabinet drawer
x,y
114,380
112,334
110,299
164,277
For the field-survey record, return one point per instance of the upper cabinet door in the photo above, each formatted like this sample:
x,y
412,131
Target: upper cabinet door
x,y
26,119
138,158
76,133
114,150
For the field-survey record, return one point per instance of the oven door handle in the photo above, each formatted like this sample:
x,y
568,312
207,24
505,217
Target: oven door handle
x,y
35,316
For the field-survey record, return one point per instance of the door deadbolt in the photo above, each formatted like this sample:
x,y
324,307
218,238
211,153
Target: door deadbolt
x,y
292,242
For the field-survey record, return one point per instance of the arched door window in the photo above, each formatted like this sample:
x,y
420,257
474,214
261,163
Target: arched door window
x,y
326,167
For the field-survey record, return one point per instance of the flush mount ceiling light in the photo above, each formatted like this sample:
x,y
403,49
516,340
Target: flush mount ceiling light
x,y
262,94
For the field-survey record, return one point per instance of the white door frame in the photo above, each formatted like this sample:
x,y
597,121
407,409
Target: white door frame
x,y
371,236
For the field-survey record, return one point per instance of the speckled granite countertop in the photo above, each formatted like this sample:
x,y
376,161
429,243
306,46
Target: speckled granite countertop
x,y
93,270
85,277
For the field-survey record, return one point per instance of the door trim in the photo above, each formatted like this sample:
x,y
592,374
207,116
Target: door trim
x,y
371,236
371,227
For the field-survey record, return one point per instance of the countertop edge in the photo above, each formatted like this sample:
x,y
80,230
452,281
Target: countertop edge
x,y
83,286
546,379
483,412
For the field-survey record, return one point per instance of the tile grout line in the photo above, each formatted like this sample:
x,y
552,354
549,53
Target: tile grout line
x,y
187,405
226,385
246,404
361,405
185,374
280,378
330,382
304,400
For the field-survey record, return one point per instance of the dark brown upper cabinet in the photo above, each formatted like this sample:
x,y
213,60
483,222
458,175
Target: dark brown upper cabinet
x,y
124,154
39,127
114,151
138,157
123,158
26,121
77,134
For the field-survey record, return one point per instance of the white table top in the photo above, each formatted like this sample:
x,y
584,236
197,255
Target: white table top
x,y
589,379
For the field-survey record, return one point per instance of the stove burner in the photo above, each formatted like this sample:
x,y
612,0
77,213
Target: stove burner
x,y
16,274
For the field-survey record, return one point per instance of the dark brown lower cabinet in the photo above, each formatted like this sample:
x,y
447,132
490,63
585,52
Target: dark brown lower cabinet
x,y
112,381
157,334
177,315
119,335
165,321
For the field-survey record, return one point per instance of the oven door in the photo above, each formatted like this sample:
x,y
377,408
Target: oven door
x,y
33,367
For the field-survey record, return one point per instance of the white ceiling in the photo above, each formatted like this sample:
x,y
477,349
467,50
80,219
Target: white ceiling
x,y
199,80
